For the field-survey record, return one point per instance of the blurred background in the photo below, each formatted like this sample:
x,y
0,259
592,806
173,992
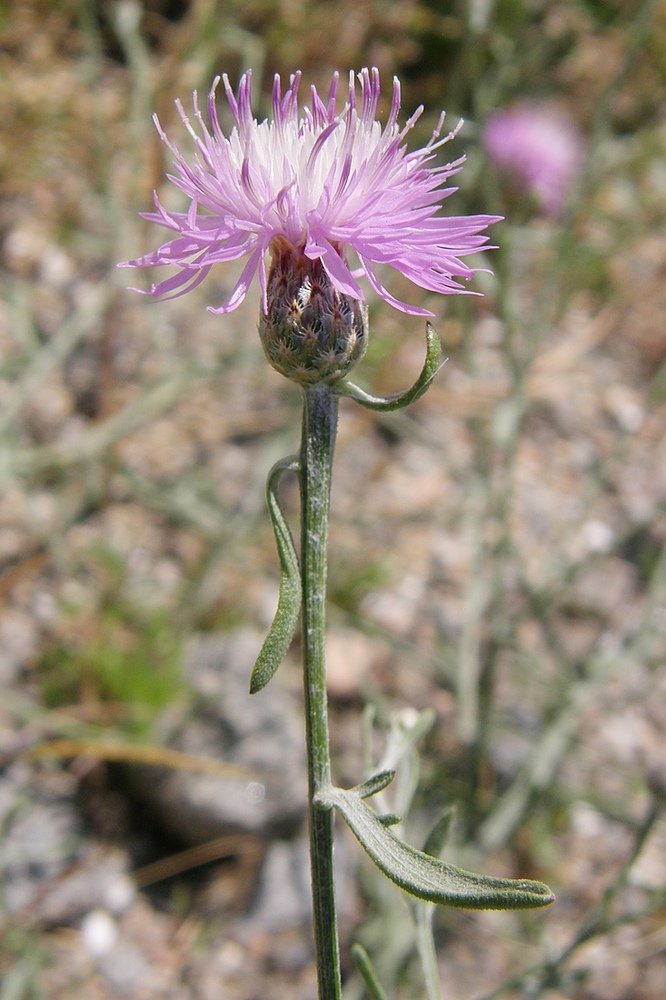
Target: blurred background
x,y
497,551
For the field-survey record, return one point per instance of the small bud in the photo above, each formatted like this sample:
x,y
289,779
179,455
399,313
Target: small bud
x,y
311,332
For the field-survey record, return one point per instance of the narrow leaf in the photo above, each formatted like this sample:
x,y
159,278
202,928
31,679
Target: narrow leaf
x,y
282,630
385,404
377,783
438,836
425,945
424,876
367,972
389,819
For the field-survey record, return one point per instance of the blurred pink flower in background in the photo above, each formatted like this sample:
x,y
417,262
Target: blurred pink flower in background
x,y
540,147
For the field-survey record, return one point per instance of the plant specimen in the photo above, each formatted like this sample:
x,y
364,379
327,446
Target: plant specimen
x,y
307,190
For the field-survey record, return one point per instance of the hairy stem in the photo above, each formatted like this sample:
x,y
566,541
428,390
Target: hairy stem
x,y
320,412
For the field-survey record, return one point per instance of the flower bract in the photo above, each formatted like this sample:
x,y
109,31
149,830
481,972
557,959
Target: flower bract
x,y
329,181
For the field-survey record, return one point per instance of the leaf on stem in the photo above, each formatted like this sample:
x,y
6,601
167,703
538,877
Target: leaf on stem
x,y
438,836
282,630
385,404
389,819
377,783
427,877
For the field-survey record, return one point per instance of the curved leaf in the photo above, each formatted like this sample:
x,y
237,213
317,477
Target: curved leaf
x,y
385,404
438,836
367,972
424,876
282,630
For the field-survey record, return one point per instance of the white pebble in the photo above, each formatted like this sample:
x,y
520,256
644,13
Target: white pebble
x,y
596,536
99,933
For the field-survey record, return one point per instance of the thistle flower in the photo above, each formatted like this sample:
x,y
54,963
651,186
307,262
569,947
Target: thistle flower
x,y
539,147
324,184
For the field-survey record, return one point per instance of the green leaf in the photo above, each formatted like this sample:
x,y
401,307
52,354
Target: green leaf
x,y
377,783
389,819
385,404
423,913
424,876
438,836
367,972
282,630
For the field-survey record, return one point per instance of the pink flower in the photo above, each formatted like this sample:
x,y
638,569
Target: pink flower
x,y
540,147
326,182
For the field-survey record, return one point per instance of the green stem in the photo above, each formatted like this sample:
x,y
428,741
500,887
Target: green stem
x,y
320,413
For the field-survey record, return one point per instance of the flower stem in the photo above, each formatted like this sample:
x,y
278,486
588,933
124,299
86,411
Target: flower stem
x,y
320,414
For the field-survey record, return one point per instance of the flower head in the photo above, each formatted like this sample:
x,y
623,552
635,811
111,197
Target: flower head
x,y
540,147
326,182
309,331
